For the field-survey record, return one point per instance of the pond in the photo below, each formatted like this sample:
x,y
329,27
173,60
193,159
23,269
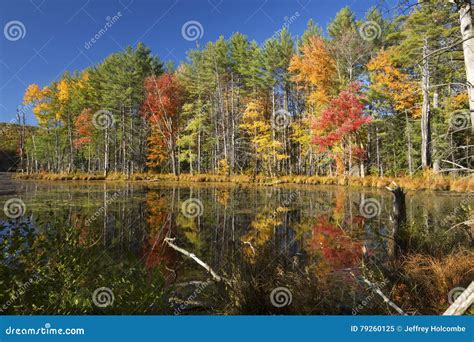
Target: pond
x,y
107,248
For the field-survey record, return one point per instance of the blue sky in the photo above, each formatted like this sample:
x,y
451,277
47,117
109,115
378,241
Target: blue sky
x,y
43,38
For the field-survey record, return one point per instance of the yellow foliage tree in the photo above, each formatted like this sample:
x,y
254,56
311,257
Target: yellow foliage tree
x,y
394,85
63,95
40,98
265,148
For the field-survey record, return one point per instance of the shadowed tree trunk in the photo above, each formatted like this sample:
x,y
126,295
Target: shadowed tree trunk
x,y
399,218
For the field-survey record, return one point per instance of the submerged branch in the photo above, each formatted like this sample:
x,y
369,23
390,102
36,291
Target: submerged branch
x,y
385,298
381,294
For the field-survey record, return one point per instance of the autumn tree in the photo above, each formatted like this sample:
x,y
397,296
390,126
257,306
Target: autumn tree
x,y
315,70
338,124
265,149
162,105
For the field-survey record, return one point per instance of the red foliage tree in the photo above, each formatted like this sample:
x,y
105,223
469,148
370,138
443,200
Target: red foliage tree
x,y
84,128
163,101
342,117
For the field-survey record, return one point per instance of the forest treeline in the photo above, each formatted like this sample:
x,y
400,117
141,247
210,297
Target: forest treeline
x,y
384,95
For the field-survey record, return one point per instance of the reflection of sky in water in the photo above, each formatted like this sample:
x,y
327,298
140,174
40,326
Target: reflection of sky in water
x,y
19,227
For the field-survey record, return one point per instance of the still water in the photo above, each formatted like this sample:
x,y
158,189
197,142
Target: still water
x,y
280,250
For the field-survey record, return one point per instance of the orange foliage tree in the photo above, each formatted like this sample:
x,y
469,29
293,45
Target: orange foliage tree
x,y
316,70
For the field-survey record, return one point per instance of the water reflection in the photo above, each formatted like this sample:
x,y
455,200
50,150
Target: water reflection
x,y
313,240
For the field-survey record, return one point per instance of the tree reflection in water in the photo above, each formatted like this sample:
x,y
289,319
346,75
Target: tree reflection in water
x,y
317,245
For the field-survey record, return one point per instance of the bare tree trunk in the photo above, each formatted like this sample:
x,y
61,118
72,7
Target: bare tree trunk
x,y
425,114
462,302
124,145
106,152
199,152
377,150
21,122
34,153
467,32
409,147
71,145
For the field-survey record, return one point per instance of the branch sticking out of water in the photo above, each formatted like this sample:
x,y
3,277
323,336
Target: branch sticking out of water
x,y
385,298
377,290
467,223
208,268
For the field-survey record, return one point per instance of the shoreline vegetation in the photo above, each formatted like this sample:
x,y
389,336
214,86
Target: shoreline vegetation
x,y
431,182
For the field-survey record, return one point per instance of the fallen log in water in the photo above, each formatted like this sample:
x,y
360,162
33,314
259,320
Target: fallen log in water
x,y
208,268
462,303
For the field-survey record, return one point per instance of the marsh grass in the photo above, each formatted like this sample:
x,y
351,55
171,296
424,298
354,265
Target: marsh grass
x,y
426,181
426,281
